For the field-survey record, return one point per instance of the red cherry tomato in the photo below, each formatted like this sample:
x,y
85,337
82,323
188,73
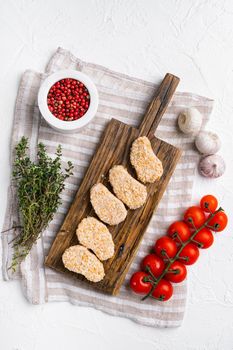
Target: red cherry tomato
x,y
179,228
165,247
163,291
189,254
209,203
178,272
205,238
155,264
194,216
219,221
138,283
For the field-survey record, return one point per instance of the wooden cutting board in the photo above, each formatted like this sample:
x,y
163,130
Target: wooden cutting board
x,y
114,149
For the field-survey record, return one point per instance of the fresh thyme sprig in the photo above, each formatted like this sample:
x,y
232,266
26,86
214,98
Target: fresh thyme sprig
x,y
39,185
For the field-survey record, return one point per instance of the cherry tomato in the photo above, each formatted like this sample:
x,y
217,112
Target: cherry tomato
x,y
194,216
205,238
165,247
219,221
190,254
155,264
163,291
178,272
137,283
179,228
209,203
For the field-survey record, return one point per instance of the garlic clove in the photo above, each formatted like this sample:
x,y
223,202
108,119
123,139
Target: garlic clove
x,y
212,166
207,142
190,121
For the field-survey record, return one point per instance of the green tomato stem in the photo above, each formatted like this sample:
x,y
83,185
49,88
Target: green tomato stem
x,y
176,235
148,269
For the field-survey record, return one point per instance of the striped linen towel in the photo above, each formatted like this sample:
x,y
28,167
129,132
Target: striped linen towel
x,y
126,99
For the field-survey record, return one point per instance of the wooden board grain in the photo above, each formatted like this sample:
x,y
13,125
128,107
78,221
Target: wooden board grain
x,y
115,149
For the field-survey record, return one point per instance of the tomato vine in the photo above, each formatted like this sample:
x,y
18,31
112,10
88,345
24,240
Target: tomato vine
x,y
170,259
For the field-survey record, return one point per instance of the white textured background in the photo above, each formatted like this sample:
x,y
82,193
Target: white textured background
x,y
190,38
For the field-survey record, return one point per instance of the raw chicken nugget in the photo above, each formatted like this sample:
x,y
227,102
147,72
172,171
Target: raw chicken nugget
x,y
94,235
78,259
126,188
108,207
148,167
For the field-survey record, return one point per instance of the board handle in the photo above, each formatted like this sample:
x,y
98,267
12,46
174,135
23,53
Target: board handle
x,y
158,105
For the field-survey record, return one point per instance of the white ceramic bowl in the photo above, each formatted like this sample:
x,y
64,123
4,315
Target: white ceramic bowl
x,y
61,125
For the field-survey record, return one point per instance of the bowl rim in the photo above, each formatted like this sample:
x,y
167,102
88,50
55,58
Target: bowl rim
x,y
73,124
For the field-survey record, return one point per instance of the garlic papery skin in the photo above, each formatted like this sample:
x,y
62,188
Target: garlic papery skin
x,y
212,166
190,121
207,142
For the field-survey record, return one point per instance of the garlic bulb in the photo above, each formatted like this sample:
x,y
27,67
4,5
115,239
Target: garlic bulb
x,y
190,121
212,166
207,142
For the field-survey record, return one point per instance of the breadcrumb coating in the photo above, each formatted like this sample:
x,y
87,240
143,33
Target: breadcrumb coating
x,y
107,207
148,167
94,235
80,260
126,188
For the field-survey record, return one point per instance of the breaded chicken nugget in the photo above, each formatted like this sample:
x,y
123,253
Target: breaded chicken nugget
x,y
78,259
148,167
108,207
126,188
94,235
